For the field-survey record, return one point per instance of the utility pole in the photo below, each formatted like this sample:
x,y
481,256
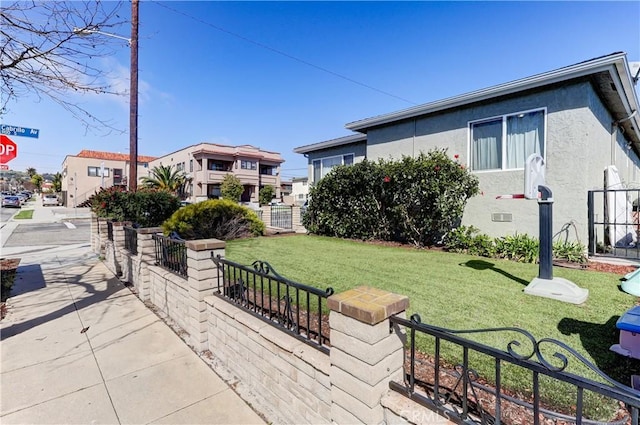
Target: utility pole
x,y
133,101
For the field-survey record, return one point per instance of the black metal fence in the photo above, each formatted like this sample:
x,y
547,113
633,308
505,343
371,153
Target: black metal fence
x,y
171,254
110,230
293,307
459,392
131,240
614,222
281,216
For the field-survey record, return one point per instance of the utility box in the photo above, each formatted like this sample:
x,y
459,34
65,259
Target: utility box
x,y
629,326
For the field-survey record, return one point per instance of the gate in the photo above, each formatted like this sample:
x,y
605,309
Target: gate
x,y
281,216
614,223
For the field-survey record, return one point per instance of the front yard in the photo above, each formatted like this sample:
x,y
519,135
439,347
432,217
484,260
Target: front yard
x,y
462,292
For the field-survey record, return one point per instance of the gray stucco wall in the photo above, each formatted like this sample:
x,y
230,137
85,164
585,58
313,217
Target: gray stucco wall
x,y
578,147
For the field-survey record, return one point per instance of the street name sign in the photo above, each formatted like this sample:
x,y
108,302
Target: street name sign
x,y
16,130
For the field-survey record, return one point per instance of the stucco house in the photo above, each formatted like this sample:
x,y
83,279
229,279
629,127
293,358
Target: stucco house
x,y
208,163
581,118
85,173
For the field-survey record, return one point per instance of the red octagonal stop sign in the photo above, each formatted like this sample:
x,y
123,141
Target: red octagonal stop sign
x,y
8,149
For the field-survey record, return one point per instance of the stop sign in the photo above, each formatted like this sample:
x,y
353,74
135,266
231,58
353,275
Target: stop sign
x,y
8,149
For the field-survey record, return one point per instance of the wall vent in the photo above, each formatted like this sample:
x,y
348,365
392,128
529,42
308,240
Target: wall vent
x,y
502,217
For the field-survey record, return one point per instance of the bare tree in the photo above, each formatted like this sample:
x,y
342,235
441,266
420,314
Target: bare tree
x,y
41,55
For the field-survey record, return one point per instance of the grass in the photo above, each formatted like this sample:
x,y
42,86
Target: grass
x,y
24,214
458,291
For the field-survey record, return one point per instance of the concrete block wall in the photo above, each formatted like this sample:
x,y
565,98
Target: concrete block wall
x,y
169,293
289,380
284,378
296,220
135,268
266,215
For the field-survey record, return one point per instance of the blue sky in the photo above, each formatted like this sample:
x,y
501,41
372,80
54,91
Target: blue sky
x,y
199,83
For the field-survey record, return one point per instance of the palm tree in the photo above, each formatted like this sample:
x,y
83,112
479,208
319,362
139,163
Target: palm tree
x,y
57,182
164,177
31,172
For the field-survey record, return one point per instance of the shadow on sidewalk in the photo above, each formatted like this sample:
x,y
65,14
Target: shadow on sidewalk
x,y
28,278
79,302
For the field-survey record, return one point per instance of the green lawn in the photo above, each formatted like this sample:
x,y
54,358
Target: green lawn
x,y
461,292
24,214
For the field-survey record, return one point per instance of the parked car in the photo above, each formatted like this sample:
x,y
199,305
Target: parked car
x,y
50,199
11,201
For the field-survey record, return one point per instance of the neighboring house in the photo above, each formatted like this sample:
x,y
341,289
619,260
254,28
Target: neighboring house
x,y
85,173
206,164
300,190
580,118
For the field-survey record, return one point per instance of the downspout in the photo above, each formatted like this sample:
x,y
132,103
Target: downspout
x,y
415,129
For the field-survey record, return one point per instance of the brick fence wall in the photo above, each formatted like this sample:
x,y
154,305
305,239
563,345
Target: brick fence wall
x,y
284,378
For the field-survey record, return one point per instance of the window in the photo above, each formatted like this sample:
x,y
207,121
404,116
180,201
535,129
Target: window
x,y
117,176
214,165
191,165
248,165
504,143
321,167
95,172
269,170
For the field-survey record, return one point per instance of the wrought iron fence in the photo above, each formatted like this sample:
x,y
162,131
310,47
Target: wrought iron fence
x,y
459,392
293,307
171,254
281,216
131,240
614,222
110,230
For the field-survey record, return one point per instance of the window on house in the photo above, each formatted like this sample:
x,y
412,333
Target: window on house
x,y
269,170
504,143
321,167
214,165
95,172
117,176
248,165
191,165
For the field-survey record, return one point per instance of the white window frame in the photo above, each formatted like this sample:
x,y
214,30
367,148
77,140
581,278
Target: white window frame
x,y
97,171
330,157
246,164
503,160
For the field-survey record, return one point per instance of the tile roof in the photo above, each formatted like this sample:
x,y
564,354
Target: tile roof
x,y
113,156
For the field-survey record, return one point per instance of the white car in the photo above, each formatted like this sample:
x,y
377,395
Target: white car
x,y
50,199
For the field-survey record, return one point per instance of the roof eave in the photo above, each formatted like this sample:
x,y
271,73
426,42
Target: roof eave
x,y
547,78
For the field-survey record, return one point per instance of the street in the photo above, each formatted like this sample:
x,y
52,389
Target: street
x,y
37,234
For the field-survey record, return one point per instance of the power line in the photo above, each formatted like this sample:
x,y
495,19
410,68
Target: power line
x,y
281,53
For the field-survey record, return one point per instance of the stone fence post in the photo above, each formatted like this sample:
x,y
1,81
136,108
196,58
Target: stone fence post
x,y
147,257
102,235
366,352
296,220
95,234
266,215
203,277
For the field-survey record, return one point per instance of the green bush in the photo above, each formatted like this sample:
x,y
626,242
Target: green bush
x,y
570,251
266,194
520,247
231,188
217,218
413,200
349,203
145,207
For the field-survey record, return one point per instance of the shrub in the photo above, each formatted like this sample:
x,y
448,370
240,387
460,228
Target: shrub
x,y
231,188
570,251
460,239
217,218
266,194
415,199
519,247
146,207
349,203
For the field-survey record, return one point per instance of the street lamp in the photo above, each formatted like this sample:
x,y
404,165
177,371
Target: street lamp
x,y
133,90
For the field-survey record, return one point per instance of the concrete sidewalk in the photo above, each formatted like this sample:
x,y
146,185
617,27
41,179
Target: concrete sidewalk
x,y
78,347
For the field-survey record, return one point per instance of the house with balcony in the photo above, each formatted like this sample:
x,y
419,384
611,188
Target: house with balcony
x,y
85,173
582,119
206,165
